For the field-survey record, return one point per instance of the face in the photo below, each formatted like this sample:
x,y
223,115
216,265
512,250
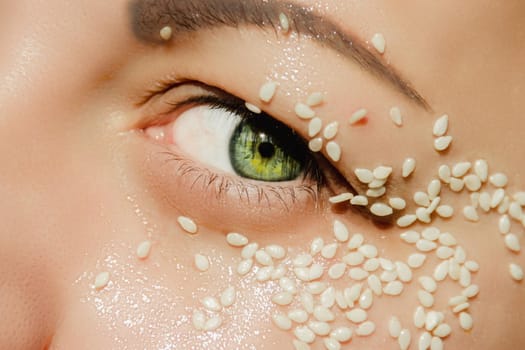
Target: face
x,y
261,175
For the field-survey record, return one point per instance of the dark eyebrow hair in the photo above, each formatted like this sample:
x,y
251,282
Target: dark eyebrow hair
x,y
148,17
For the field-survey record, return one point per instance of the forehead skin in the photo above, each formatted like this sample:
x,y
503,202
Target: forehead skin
x,y
80,190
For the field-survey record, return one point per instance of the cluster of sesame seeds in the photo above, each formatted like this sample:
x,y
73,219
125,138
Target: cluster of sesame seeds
x,y
213,306
441,141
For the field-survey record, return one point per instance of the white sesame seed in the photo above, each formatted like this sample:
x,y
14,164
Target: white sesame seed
x,y
433,189
315,145
187,224
497,197
504,205
445,211
282,298
381,209
282,321
331,344
456,185
465,321
498,180
406,220
395,116
236,239
382,172
364,175
428,284
264,274
358,273
263,258
299,345
354,258
340,231
404,339
278,272
424,245
461,307
249,250
329,250
244,267
410,236
201,262
393,288
337,271
424,341
359,200
357,315
472,266
442,143
340,198
430,233
512,242
387,264
356,241
440,126
304,334
394,327
358,116
302,260
276,251
516,272
454,269
504,224
228,297
371,265
314,126
342,334
284,23
447,239
436,344
379,43
323,314
316,246
252,108
319,328
211,303
303,111
515,211
267,91
409,165
307,301
366,299
333,150
352,294
101,280
198,320
298,315
461,168
484,200
331,130
340,300
375,284
315,271
443,330
419,317
472,182
470,213
368,250
519,197
404,272
365,329
143,249
327,297
444,252
423,215
287,284
441,271
388,276
421,198
425,298
416,260
166,33
444,173
397,203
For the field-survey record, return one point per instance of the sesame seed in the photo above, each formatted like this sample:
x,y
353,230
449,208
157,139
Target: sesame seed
x,y
237,239
365,329
470,213
340,300
187,224
404,339
497,197
366,299
428,284
319,328
382,172
329,250
284,23
368,250
327,298
198,320
394,327
303,111
421,198
342,334
444,252
371,265
416,260
445,211
249,250
397,203
519,197
443,330
436,344
358,273
211,303
364,176
302,260
357,315
441,271
434,188
456,185
444,173
381,209
282,298
403,271
359,200
358,116
424,245
264,274
267,91
504,205
375,284
331,130
315,272
484,200
201,262
354,258
465,321
166,33
406,220
340,231
315,99
143,249
228,297
304,334
379,43
307,300
461,307
442,143
316,246
409,165
299,345
315,145
387,264
393,288
314,126
395,116
333,150
337,271
282,321
423,215
454,269
516,272
472,182
457,300
512,242
515,211
430,233
340,198
472,266
244,267
213,323
263,258
298,315
461,168
252,108
356,241
101,280
287,284
275,251
440,126
419,317
498,180
331,344
278,272
424,340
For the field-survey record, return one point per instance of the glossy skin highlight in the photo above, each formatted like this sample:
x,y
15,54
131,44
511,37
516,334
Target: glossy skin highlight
x,y
83,185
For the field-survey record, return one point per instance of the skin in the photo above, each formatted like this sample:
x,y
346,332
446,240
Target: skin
x,y
82,185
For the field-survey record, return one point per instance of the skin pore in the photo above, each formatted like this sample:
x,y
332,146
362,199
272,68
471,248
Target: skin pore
x,y
84,181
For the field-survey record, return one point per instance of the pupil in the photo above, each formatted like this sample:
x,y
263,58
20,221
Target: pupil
x,y
266,149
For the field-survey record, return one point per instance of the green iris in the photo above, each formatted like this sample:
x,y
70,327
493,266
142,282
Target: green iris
x,y
264,150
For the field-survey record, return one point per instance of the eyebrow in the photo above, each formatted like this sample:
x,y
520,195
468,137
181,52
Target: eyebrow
x,y
148,17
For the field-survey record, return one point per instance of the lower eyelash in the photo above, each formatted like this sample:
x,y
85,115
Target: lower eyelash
x,y
287,196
